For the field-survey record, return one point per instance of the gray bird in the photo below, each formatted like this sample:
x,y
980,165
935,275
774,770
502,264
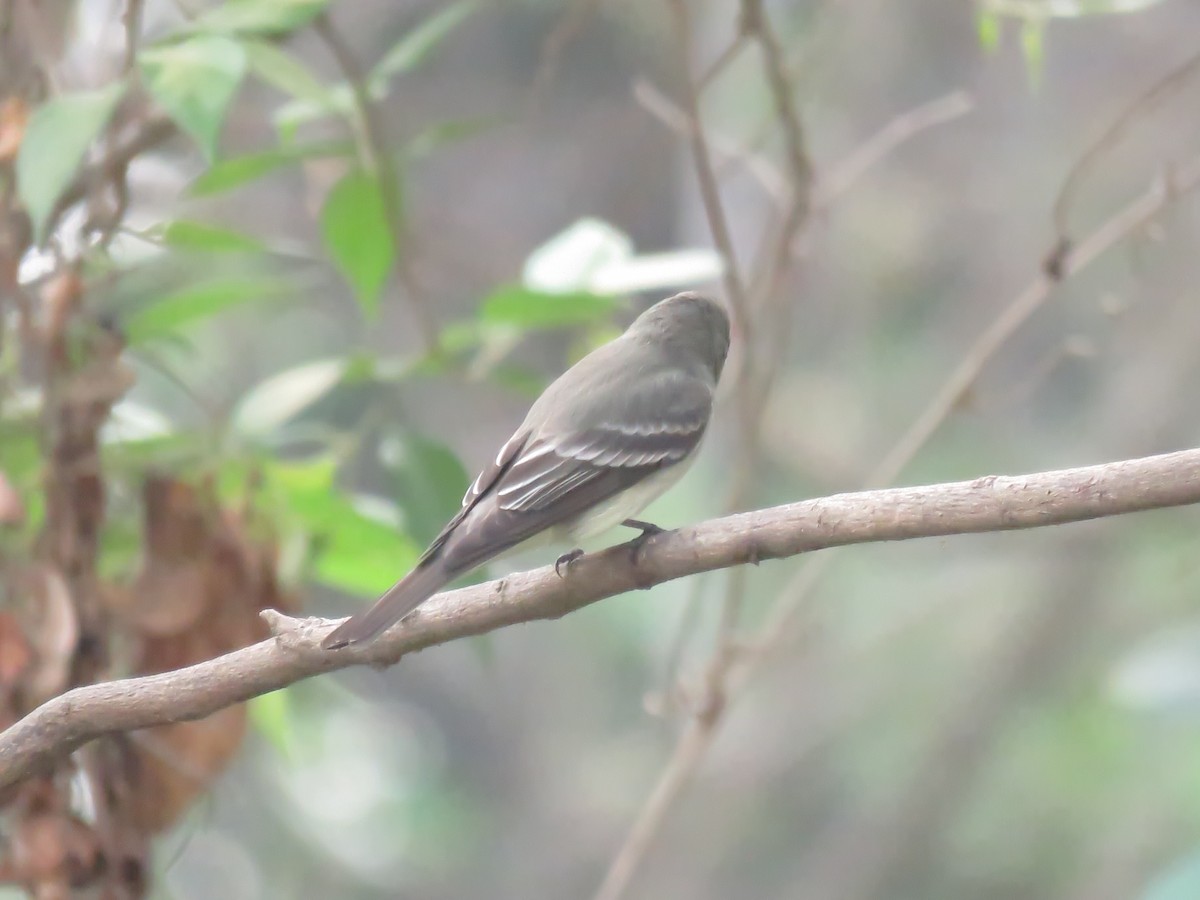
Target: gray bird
x,y
608,436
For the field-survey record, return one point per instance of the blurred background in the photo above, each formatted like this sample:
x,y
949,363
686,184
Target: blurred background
x,y
369,235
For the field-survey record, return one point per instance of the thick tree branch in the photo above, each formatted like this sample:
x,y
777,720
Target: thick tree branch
x,y
993,503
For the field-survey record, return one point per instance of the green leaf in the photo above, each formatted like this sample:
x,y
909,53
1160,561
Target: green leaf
x,y
356,232
989,29
271,716
284,72
519,379
358,552
259,16
407,54
194,304
415,46
593,256
515,305
275,400
571,259
1033,45
58,135
339,100
440,134
187,235
195,80
134,422
429,481
657,271
1063,9
231,173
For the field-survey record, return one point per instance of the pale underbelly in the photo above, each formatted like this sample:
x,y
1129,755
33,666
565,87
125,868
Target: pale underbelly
x,y
625,505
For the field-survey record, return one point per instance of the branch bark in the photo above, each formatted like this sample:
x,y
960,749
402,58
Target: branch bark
x,y
992,503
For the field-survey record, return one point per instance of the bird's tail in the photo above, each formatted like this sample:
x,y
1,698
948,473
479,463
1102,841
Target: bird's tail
x,y
402,598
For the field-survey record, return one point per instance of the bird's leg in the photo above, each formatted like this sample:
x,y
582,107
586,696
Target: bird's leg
x,y
565,561
648,530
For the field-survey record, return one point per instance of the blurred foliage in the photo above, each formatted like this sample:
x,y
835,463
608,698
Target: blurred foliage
x,y
55,140
289,416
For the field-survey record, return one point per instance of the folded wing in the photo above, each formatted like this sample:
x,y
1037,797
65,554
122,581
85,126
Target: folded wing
x,y
541,480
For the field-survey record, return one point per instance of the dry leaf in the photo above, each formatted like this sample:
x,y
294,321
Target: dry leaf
x,y
15,652
14,116
178,763
47,848
202,584
12,510
45,624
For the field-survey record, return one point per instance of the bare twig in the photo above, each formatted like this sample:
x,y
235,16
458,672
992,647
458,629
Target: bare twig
x,y
1130,219
735,288
379,160
132,21
717,67
150,133
688,751
955,389
856,855
709,192
760,168
993,503
686,757
840,177
754,22
1112,135
567,29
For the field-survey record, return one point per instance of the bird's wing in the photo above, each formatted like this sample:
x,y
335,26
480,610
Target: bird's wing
x,y
549,478
483,482
554,471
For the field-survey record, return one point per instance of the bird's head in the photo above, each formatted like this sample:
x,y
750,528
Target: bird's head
x,y
692,326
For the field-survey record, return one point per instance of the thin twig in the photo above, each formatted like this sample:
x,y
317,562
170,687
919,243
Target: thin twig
x,y
688,752
709,192
855,856
379,161
565,31
1112,135
954,390
839,179
718,66
903,127
747,449
685,758
659,105
1127,221
755,23
992,503
150,133
132,20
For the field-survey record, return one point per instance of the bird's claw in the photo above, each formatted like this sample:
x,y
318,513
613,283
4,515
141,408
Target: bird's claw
x,y
565,561
649,530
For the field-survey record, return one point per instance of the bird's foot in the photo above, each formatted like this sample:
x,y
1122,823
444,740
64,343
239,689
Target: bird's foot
x,y
648,530
565,561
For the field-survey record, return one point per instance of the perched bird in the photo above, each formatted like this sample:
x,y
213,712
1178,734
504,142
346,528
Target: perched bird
x,y
607,437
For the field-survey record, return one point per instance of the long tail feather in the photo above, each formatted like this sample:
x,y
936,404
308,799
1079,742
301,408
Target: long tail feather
x,y
402,598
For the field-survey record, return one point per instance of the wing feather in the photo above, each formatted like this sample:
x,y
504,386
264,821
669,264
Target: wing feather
x,y
548,476
549,469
